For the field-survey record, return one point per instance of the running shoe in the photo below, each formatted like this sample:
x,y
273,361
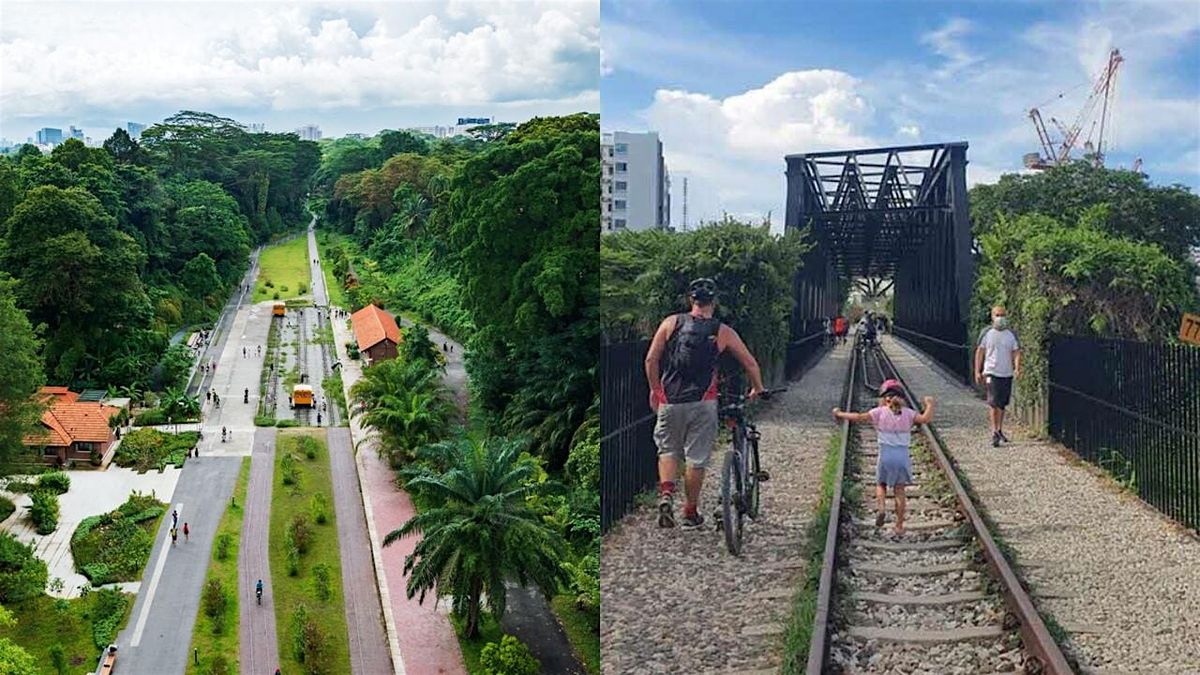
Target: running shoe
x,y
666,510
879,517
693,521
1003,437
995,439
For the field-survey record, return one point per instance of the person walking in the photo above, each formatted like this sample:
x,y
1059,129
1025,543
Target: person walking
x,y
893,421
174,536
681,367
186,532
840,327
997,364
174,518
827,328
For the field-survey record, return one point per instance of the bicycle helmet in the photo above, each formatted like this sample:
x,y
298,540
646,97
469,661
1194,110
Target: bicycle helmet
x,y
702,290
891,387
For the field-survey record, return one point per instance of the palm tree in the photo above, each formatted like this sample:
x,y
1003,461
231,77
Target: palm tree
x,y
484,528
178,405
407,403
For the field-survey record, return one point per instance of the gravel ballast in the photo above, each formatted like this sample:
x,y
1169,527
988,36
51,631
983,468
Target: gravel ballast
x,y
1122,579
678,602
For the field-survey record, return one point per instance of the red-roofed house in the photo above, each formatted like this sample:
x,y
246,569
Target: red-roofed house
x,y
72,429
376,332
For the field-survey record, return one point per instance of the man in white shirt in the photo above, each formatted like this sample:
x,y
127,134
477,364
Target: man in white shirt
x,y
997,363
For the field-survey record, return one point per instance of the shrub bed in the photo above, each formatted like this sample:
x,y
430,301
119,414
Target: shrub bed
x,y
44,511
6,508
116,545
145,449
57,482
22,574
305,562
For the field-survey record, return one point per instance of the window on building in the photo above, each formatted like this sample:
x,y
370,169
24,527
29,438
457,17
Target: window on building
x,y
619,204
608,169
608,207
622,148
622,185
622,167
619,223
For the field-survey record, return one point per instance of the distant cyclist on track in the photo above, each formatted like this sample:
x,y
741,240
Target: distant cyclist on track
x,y
681,367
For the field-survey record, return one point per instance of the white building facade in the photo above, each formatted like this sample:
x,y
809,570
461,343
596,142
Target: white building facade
x,y
635,192
309,132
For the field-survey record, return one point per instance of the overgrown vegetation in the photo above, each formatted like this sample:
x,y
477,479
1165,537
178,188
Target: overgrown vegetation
x,y
79,629
115,546
1081,250
215,636
146,449
644,278
145,236
798,634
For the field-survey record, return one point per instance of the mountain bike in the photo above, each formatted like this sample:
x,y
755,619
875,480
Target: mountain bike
x,y
742,473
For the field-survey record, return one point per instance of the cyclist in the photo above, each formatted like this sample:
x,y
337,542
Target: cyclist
x,y
681,367
258,591
868,328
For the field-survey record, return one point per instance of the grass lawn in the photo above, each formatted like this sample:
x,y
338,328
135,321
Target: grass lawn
x,y
489,631
291,591
108,548
337,296
580,629
44,622
145,449
286,267
226,643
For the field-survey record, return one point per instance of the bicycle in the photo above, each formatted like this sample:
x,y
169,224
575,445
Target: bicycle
x,y
742,472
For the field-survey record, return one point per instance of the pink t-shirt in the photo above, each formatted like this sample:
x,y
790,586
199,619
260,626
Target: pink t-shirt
x,y
893,428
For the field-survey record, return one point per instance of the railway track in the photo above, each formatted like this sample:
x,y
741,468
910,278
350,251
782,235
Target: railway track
x,y
939,599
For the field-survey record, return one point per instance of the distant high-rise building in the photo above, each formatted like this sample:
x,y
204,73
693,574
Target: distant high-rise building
x,y
76,132
309,132
635,191
134,129
357,137
258,128
435,131
49,136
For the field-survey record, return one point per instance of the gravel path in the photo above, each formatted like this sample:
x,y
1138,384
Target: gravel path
x,y
677,601
256,625
1117,575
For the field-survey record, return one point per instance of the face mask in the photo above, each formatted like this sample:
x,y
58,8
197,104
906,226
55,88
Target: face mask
x,y
1000,322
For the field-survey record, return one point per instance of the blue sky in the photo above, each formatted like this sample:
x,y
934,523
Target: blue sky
x,y
346,66
732,87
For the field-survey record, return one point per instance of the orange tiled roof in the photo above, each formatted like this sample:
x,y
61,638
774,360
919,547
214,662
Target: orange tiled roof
x,y
68,420
372,325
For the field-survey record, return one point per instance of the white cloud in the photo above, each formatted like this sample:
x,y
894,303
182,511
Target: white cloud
x,y
947,42
911,131
732,149
67,58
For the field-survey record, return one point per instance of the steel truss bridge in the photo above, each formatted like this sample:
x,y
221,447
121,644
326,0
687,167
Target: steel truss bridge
x,y
896,213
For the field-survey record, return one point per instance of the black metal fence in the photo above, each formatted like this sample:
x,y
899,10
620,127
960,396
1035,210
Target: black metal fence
x,y
953,353
1134,409
800,353
628,461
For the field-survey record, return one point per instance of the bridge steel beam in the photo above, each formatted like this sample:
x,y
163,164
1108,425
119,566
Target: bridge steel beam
x,y
911,225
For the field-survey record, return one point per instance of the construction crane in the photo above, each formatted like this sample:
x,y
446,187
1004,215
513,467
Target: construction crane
x,y
1103,95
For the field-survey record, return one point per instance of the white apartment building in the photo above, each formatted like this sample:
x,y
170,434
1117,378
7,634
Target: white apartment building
x,y
635,191
309,132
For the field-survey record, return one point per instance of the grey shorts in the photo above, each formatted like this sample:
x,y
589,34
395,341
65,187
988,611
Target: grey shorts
x,y
999,391
687,431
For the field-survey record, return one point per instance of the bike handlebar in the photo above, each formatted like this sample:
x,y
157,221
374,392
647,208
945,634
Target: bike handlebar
x,y
742,399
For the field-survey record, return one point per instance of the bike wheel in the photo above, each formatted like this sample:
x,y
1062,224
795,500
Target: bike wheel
x,y
731,503
753,495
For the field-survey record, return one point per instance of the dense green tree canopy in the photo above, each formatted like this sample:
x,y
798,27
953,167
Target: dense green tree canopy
x,y
20,374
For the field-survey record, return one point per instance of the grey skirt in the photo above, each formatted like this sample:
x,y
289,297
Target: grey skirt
x,y
894,466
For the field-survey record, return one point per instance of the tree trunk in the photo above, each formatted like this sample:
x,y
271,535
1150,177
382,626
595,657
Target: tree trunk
x,y
473,612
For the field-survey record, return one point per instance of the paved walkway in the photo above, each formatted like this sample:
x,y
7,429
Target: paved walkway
x,y
1116,574
256,625
234,375
158,635
426,643
369,654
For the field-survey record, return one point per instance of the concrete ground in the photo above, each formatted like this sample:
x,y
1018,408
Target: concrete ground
x,y
159,631
235,374
92,493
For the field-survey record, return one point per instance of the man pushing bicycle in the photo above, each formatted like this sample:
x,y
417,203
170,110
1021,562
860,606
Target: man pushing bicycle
x,y
681,368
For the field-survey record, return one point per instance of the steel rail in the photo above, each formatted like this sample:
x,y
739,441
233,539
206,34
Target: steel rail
x,y
819,643
1035,636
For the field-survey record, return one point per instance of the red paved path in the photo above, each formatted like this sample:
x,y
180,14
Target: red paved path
x,y
260,649
427,641
368,643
